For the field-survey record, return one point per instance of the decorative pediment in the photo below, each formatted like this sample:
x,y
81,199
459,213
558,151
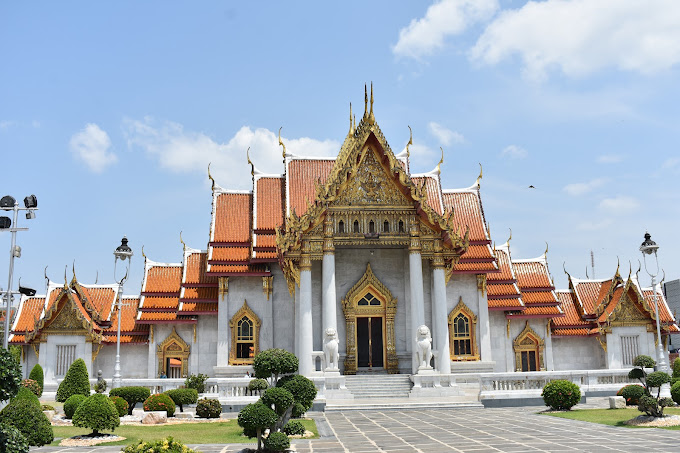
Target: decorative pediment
x,y
627,311
64,317
173,347
368,283
527,337
462,308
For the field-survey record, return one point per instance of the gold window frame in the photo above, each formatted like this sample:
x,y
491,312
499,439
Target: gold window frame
x,y
528,340
246,311
173,347
463,309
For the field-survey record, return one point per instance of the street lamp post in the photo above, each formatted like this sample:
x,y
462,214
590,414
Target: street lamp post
x,y
8,203
122,252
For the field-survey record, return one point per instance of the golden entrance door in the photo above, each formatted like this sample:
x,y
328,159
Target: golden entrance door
x,y
370,344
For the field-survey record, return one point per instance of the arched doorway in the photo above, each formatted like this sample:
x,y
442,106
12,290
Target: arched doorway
x,y
369,309
172,354
528,348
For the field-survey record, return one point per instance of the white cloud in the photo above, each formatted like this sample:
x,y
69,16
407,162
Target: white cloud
x,y
424,36
186,151
581,188
444,135
4,125
671,163
618,204
609,159
91,145
583,36
514,152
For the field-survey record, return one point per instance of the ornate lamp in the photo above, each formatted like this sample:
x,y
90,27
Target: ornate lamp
x,y
123,252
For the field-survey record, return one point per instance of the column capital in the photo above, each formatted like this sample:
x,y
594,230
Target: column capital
x,y
223,285
328,246
305,257
438,261
481,283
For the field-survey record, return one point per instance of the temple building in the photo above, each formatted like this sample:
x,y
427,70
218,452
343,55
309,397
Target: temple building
x,y
355,264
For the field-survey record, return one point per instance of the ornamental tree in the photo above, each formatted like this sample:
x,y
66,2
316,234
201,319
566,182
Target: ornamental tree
x,y
254,419
98,413
274,362
648,403
10,375
38,376
76,381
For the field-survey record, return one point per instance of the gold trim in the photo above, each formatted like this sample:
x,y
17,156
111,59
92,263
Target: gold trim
x,y
173,347
481,283
194,333
95,351
528,340
268,286
246,311
387,310
223,283
36,349
472,318
151,333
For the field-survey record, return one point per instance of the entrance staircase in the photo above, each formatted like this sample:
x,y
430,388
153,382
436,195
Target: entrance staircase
x,y
379,385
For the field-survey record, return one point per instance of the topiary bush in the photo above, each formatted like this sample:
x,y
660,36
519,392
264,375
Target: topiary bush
x,y
294,428
183,396
25,394
121,405
98,413
12,441
160,402
168,445
208,408
254,419
25,416
274,362
257,385
32,385
632,393
72,403
75,382
38,376
277,398
648,403
10,375
675,392
132,395
277,441
303,390
561,394
196,381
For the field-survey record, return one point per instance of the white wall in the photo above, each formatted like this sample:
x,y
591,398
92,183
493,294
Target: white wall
x,y
578,353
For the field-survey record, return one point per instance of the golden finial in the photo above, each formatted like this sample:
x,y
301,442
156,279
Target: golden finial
x,y
46,277
508,241
618,264
184,246
365,101
252,167
564,268
354,122
639,268
479,178
210,177
441,161
96,277
74,271
65,278
143,254
410,141
351,125
545,254
371,117
630,269
284,146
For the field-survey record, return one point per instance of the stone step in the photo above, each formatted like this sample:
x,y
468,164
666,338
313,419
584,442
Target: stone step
x,y
399,404
379,386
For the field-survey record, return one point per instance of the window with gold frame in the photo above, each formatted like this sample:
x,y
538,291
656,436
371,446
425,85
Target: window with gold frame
x,y
462,328
529,347
245,333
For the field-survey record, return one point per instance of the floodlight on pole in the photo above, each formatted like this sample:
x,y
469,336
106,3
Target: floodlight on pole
x,y
123,252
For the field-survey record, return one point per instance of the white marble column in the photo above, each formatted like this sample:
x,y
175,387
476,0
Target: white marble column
x,y
151,357
305,335
416,283
223,334
549,361
483,320
440,324
328,300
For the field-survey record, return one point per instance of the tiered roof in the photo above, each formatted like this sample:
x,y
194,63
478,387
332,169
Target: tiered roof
x,y
536,286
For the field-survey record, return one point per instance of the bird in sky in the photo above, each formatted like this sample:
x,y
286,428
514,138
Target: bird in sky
x,y
531,187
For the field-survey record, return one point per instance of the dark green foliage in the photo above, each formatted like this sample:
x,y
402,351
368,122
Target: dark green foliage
x,y
294,428
648,403
25,416
254,419
675,392
657,379
644,361
132,395
16,353
183,396
298,410
278,397
303,390
121,405
561,394
274,362
632,393
47,407
75,382
277,442
168,445
160,402
98,413
636,373
196,381
72,403
257,384
25,394
38,376
676,368
32,385
12,441
10,375
208,408
666,402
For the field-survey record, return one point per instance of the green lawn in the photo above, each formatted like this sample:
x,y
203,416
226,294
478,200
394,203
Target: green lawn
x,y
613,417
227,432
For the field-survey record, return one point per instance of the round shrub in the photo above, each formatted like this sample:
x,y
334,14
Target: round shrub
x,y
657,379
160,402
183,396
168,445
277,442
208,408
257,384
196,381
75,382
72,403
25,394
675,392
121,405
132,395
32,385
303,390
25,416
561,394
98,413
644,361
10,375
38,376
632,394
298,410
275,362
254,417
278,397
294,428
12,441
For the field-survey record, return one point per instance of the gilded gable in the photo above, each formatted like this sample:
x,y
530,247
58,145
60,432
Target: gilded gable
x,y
66,321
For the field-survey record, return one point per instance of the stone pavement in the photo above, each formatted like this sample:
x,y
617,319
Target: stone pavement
x,y
450,430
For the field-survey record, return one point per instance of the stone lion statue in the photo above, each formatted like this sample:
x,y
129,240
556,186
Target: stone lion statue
x,y
330,349
424,347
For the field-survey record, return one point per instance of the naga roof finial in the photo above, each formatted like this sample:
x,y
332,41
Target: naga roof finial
x,y
252,167
210,177
441,161
365,101
410,142
508,241
96,277
479,178
143,254
65,278
545,254
284,146
351,125
184,246
371,117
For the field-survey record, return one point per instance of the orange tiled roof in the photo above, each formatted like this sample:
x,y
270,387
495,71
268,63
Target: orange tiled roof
x,y
30,310
163,279
232,217
195,270
505,273
154,303
101,298
571,315
266,255
156,316
478,268
301,179
664,313
204,294
588,293
578,332
532,274
129,309
539,297
501,289
477,252
433,190
270,202
265,240
198,307
239,269
241,254
511,303
467,211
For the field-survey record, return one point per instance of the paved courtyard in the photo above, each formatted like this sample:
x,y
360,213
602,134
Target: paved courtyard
x,y
445,430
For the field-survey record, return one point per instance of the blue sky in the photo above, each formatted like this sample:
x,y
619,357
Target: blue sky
x,y
110,113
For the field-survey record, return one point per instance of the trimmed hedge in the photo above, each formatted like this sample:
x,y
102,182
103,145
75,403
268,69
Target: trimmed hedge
x,y
274,362
257,384
561,394
279,398
183,396
121,405
208,408
132,395
72,403
27,395
294,428
38,376
160,402
75,382
196,381
168,445
254,419
303,390
675,392
632,394
277,441
98,413
25,416
12,441
10,375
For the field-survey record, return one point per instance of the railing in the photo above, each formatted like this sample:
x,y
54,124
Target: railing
x,y
588,380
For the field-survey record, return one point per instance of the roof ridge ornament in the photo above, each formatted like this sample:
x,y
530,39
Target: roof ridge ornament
x,y
545,254
351,124
210,177
65,278
410,142
365,102
371,116
441,161
284,149
252,167
479,178
74,280
184,246
143,254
